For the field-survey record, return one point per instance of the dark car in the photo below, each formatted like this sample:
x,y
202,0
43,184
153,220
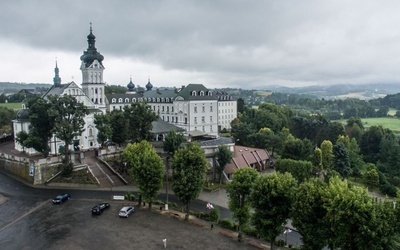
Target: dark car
x,y
61,198
99,208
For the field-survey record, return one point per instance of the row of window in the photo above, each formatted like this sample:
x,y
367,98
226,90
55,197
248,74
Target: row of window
x,y
226,103
141,99
201,93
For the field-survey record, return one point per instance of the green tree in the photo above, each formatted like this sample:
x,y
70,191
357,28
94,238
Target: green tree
x,y
357,222
271,199
147,169
300,170
309,214
119,129
224,156
240,105
189,165
341,160
69,121
6,117
139,117
172,143
372,176
327,154
239,190
41,126
103,125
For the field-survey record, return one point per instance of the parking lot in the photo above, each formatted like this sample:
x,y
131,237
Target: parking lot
x,y
72,226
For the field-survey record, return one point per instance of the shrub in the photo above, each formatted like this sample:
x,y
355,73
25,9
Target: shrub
x,y
129,196
227,223
388,189
280,243
67,170
250,231
214,214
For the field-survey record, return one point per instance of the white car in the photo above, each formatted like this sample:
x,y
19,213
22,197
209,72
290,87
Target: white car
x,y
126,211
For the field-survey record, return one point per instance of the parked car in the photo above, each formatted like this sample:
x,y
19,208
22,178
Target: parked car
x,y
99,208
61,198
126,211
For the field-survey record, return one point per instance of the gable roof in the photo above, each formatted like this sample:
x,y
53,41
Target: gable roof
x,y
246,157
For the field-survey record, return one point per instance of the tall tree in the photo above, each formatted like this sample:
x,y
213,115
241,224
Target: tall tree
x,y
189,165
147,169
173,141
341,160
103,125
271,199
69,120
224,156
6,117
327,154
119,129
309,214
139,117
41,127
239,190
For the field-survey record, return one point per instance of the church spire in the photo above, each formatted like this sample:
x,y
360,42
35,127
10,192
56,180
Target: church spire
x,y
56,79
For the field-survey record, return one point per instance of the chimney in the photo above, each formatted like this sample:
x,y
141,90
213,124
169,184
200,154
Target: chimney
x,y
158,91
183,87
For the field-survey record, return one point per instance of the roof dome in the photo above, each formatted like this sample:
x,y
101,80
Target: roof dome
x,y
130,85
149,86
23,114
91,53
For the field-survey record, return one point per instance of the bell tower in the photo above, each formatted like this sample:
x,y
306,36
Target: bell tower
x,y
92,73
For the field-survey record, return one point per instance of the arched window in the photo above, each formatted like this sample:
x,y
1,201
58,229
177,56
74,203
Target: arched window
x,y
113,100
120,100
126,99
202,93
133,99
194,93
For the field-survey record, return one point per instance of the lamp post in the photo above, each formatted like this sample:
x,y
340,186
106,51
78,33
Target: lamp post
x,y
166,184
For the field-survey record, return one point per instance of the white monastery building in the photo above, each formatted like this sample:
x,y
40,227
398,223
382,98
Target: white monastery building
x,y
193,108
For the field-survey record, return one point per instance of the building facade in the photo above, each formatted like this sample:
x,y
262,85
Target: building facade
x,y
193,108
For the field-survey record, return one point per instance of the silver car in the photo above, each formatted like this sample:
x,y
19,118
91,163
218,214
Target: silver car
x,y
126,211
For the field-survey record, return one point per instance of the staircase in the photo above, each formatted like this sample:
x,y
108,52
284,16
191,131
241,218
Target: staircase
x,y
106,178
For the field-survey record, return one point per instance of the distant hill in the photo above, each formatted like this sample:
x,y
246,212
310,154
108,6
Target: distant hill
x,y
364,91
14,87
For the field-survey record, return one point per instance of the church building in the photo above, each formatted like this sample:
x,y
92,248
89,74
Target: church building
x,y
193,108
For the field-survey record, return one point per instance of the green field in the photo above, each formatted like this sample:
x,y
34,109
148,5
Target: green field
x,y
392,123
15,106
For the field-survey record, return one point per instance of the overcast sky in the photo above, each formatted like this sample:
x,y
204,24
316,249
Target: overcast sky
x,y
218,43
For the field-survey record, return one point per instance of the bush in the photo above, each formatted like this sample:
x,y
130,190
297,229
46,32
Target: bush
x,y
250,231
388,189
67,170
129,196
214,214
227,223
280,243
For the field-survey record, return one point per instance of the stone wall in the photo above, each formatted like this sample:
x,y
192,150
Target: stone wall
x,y
35,172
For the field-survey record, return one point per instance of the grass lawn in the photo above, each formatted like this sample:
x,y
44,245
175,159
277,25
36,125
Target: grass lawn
x,y
392,123
15,106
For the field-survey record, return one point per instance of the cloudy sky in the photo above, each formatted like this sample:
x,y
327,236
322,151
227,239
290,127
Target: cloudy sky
x,y
219,43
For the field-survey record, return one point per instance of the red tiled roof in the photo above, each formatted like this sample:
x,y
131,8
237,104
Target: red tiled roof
x,y
245,157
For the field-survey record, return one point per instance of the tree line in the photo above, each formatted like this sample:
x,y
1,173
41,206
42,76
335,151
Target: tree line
x,y
349,150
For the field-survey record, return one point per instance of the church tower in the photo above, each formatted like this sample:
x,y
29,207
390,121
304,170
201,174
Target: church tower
x,y
92,73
